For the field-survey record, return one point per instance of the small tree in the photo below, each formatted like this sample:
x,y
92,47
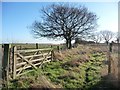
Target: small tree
x,y
96,37
62,21
107,35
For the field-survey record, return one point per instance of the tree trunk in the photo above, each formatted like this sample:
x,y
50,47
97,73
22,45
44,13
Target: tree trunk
x,y
68,44
107,42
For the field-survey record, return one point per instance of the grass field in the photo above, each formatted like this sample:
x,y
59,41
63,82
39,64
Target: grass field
x,y
82,67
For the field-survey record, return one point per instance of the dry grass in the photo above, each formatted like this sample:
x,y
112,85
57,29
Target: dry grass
x,y
114,65
43,83
81,53
59,56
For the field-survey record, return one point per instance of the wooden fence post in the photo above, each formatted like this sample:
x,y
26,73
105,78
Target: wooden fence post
x,y
14,62
36,45
10,62
109,58
58,48
119,64
8,67
110,47
5,64
109,63
20,47
51,46
52,53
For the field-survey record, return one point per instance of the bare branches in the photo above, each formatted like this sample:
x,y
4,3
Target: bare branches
x,y
107,35
64,21
97,37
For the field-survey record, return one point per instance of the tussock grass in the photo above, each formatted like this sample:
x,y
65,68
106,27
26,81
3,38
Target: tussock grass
x,y
76,68
31,80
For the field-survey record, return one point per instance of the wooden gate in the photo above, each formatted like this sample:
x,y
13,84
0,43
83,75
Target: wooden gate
x,y
23,61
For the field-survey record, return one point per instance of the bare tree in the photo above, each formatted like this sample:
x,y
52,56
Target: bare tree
x,y
62,21
96,37
107,35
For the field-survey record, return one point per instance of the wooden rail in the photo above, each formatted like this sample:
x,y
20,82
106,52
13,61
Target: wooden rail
x,y
22,61
33,50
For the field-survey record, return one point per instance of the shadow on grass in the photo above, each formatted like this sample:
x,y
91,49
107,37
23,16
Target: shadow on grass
x,y
108,82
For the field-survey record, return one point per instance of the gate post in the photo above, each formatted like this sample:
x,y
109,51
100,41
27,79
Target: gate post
x,y
109,63
109,58
58,48
14,61
52,53
5,64
36,45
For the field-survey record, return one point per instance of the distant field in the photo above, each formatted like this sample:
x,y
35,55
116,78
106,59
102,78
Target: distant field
x,y
31,46
40,46
61,46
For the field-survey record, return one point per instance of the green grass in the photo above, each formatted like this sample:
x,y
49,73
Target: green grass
x,y
68,73
83,76
26,80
